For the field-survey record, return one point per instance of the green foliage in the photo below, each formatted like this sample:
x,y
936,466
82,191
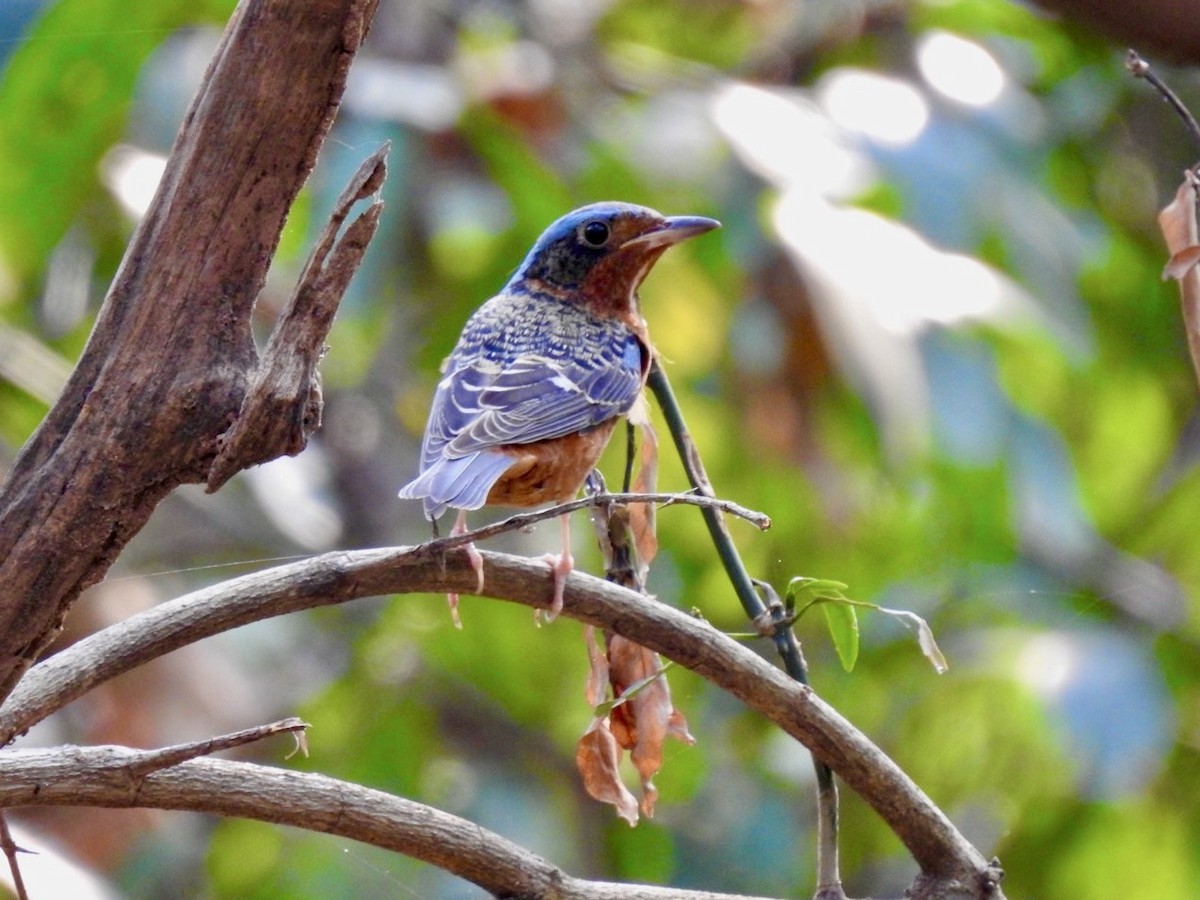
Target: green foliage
x,y
719,34
1130,849
63,102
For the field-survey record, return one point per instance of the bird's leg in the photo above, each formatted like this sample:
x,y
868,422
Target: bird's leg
x,y
561,565
460,527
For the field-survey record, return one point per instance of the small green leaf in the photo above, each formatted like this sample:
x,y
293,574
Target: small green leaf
x,y
806,591
603,709
843,628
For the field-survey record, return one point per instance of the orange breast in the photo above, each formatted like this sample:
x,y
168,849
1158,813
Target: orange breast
x,y
550,471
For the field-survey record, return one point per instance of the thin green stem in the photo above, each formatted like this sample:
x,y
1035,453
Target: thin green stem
x,y
743,584
748,592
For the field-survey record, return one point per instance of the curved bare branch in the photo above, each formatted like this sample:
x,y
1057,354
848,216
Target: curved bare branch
x,y
120,777
941,851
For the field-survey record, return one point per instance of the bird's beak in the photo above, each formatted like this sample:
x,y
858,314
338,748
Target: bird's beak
x,y
672,230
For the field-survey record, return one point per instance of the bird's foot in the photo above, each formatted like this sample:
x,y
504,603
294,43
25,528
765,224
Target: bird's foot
x,y
452,600
476,560
561,565
460,527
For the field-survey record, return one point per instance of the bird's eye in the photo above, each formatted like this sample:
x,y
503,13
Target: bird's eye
x,y
595,233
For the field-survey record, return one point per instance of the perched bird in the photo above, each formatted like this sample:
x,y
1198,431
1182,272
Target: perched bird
x,y
543,371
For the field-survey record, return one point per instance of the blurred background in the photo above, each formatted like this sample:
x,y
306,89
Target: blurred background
x,y
931,341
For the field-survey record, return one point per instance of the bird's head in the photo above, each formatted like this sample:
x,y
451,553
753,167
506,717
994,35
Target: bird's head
x,y
599,254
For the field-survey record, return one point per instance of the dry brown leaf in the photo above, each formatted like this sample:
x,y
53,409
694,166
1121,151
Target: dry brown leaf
x,y
642,515
1182,263
647,718
639,719
596,688
628,666
1179,228
638,714
677,728
598,758
1178,219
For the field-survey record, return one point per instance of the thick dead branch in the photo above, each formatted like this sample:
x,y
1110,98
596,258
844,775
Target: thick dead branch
x,y
283,406
168,363
949,863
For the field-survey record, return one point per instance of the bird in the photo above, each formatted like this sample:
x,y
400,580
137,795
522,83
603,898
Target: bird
x,y
543,371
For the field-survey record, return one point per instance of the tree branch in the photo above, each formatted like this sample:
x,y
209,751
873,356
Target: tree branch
x,y
169,360
944,855
117,777
523,520
283,405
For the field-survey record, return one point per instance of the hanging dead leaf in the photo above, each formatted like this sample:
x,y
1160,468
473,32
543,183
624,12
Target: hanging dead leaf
x,y
1182,263
642,515
928,643
639,718
637,714
598,758
644,722
1177,221
596,688
1179,228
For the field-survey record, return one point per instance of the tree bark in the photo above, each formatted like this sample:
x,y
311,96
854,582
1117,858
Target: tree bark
x,y
120,777
166,369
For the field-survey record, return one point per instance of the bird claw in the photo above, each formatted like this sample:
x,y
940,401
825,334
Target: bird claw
x,y
476,561
473,556
561,565
452,599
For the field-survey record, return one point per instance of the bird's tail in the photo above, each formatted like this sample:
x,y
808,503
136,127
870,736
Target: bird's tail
x,y
461,483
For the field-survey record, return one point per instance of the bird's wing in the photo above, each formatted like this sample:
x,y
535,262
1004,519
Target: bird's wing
x,y
537,397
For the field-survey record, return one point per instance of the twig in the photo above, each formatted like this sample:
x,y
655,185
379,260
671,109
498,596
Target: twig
x,y
165,758
523,520
630,455
748,592
1139,68
10,848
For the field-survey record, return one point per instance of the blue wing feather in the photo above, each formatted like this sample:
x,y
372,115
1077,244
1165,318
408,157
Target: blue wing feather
x,y
527,368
